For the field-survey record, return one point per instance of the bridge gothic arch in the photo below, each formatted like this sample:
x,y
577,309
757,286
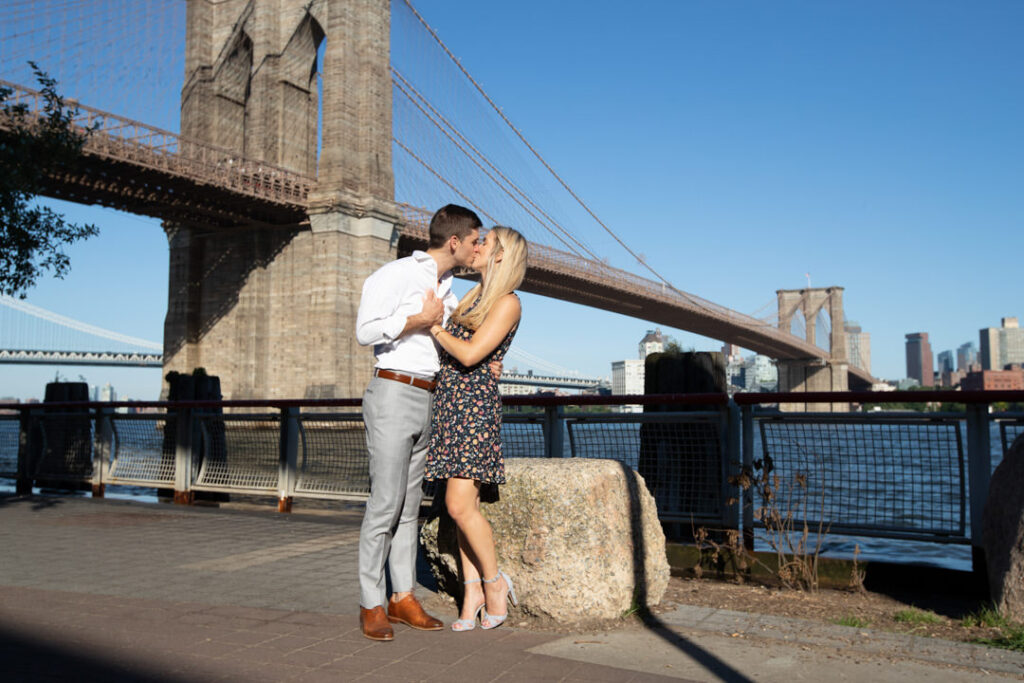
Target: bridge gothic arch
x,y
823,328
813,305
808,304
797,325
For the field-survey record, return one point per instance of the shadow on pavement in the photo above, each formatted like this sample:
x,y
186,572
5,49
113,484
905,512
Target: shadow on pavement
x,y
711,662
28,659
37,502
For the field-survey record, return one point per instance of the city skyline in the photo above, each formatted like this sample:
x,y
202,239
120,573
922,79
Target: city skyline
x,y
740,148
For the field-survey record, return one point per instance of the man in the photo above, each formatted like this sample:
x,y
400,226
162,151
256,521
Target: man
x,y
399,303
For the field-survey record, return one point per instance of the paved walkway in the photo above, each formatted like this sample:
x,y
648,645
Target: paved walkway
x,y
102,590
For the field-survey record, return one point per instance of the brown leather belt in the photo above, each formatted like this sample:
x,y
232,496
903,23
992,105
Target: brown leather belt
x,y
425,384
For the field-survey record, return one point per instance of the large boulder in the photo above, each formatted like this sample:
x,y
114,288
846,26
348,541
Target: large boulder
x,y
580,539
1003,533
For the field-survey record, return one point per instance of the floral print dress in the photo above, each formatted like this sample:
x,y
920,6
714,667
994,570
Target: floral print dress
x,y
465,435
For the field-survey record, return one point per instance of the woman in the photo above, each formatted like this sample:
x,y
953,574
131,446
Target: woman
x,y
465,440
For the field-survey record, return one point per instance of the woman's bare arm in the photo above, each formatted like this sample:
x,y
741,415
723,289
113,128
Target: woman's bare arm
x,y
502,318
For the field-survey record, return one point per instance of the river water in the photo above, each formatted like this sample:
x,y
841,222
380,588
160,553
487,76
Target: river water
x,y
952,556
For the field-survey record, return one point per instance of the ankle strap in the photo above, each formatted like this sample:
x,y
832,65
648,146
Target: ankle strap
x,y
496,577
472,581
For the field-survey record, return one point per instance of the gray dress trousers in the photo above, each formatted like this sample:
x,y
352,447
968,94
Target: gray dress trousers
x,y
397,418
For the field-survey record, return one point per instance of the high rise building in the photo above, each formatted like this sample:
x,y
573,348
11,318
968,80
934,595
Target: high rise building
x,y
1001,346
966,356
760,374
628,374
919,359
107,393
988,345
1012,342
628,378
945,362
858,346
653,342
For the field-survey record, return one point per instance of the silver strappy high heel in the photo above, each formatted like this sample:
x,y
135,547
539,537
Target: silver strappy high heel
x,y
510,593
468,624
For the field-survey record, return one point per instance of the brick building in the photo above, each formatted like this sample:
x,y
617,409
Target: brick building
x,y
993,380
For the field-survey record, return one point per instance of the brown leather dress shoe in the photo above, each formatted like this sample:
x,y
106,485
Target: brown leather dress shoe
x,y
374,623
408,611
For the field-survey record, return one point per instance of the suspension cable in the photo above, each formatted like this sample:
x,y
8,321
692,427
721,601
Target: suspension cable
x,y
523,139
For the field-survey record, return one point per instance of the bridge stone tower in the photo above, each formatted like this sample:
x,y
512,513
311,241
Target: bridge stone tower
x,y
814,374
271,309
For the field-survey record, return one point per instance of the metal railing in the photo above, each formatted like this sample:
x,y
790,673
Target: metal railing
x,y
1011,425
870,475
901,475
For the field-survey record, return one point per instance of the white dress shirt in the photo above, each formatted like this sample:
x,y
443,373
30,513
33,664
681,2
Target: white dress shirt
x,y
391,294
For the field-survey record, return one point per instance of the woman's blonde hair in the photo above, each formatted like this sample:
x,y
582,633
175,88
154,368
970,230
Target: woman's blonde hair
x,y
502,277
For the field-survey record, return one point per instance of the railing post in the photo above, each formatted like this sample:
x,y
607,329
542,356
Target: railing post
x,y
979,472
731,513
27,447
185,430
554,438
102,447
288,460
747,495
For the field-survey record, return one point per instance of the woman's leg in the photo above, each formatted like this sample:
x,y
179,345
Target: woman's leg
x,y
462,498
472,587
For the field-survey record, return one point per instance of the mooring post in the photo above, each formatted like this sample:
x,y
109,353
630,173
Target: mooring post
x,y
554,437
28,447
979,473
731,466
183,493
102,450
747,494
288,460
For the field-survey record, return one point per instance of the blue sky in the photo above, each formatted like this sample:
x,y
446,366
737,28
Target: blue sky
x,y
877,146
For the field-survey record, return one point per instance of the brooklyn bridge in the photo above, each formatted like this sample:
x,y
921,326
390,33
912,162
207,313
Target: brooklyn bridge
x,y
307,147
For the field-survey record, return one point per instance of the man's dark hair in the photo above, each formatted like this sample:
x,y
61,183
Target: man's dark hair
x,y
449,220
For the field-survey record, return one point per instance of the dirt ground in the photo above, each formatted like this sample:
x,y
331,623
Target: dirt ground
x,y
874,610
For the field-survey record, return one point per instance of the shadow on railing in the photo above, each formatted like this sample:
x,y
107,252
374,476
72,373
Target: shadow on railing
x,y
903,475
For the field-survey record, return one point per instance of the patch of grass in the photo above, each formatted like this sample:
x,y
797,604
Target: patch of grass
x,y
1012,639
917,616
986,616
850,620
635,608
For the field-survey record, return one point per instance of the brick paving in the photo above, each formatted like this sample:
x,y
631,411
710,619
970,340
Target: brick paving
x,y
98,590
95,590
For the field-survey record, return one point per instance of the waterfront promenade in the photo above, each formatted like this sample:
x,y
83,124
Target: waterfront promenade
x,y
95,590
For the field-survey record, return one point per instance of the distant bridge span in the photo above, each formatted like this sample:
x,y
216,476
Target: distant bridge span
x,y
98,358
145,170
156,360
565,276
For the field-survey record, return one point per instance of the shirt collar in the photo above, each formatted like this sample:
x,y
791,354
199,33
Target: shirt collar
x,y
426,259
